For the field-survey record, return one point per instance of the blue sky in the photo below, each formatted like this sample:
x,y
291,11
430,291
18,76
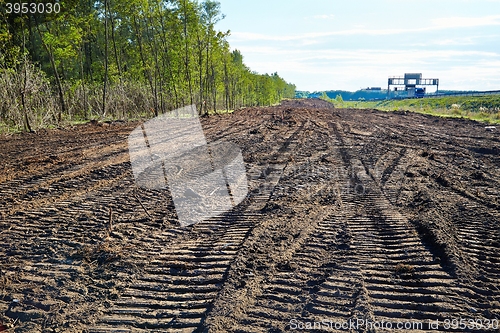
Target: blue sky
x,y
326,45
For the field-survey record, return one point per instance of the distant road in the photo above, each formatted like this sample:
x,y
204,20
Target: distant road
x,y
469,93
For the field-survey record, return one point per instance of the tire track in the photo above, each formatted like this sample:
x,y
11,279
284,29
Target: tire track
x,y
320,278
63,149
402,278
180,281
476,260
327,232
364,262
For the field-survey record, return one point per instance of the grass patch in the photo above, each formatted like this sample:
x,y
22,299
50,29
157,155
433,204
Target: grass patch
x,y
9,129
480,108
212,112
102,252
404,271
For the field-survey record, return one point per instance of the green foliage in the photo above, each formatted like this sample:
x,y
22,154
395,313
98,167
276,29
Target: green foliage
x,y
169,49
346,95
482,108
338,101
302,94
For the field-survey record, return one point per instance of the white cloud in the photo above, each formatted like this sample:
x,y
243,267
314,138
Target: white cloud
x,y
452,40
437,24
324,17
250,36
448,42
465,22
365,55
345,69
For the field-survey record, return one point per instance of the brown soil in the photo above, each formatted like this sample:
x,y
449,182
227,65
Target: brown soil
x,y
351,214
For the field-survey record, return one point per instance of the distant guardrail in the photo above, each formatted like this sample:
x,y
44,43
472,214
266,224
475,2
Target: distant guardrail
x,y
468,93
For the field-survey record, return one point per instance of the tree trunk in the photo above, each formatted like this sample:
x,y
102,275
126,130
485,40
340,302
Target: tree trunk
x,y
186,53
23,93
226,84
143,59
105,58
113,38
56,75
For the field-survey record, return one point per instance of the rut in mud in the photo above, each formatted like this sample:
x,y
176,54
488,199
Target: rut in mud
x,y
351,214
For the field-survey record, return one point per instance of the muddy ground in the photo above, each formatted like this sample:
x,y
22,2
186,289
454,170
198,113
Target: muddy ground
x,y
351,215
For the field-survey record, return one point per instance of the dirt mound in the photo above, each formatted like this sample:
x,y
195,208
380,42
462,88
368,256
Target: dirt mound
x,y
352,215
314,103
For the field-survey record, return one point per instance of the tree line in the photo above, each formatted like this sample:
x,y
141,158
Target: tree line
x,y
123,59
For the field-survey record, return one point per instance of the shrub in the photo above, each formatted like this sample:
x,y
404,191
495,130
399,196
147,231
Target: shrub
x,y
26,100
404,269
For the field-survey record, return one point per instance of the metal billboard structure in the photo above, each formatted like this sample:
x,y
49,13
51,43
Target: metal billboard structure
x,y
410,81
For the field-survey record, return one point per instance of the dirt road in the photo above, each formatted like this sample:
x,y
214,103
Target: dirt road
x,y
352,216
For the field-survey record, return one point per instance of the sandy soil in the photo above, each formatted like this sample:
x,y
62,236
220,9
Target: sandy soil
x,y
351,215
